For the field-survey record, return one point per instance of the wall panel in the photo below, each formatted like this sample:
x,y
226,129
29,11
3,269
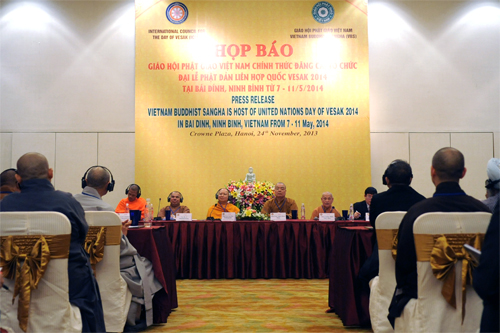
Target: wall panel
x,y
422,148
475,160
75,153
6,153
116,151
385,148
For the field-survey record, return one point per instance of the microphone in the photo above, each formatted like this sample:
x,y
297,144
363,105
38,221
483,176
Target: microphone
x,y
157,218
210,217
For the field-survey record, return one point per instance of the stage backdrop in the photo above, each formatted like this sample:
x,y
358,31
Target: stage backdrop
x,y
280,86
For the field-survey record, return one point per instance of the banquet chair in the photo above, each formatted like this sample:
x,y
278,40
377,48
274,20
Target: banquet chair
x,y
382,286
49,307
115,295
431,312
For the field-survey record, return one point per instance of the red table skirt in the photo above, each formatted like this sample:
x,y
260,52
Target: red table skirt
x,y
350,300
252,249
153,244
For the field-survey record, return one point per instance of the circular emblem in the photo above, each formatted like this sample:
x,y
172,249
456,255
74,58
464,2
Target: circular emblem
x,y
323,12
177,12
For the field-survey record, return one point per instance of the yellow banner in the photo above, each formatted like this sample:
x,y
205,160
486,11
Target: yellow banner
x,y
280,86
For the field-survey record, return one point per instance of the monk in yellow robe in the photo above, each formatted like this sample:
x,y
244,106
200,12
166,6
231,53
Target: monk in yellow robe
x,y
222,205
280,203
326,207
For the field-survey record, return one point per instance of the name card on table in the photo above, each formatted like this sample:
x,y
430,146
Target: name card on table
x,y
184,217
124,216
228,216
278,216
327,217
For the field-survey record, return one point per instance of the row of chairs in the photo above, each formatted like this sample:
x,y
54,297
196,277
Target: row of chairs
x,y
430,312
49,308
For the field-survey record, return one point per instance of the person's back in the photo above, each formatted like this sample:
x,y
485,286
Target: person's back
x,y
38,194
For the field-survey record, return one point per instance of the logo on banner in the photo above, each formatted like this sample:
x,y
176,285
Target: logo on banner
x,y
177,12
323,12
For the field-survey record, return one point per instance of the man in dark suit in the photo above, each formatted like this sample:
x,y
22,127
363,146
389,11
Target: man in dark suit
x,y
399,197
363,207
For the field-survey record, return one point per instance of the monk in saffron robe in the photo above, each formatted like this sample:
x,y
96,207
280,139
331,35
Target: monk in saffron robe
x,y
133,199
326,207
222,205
280,203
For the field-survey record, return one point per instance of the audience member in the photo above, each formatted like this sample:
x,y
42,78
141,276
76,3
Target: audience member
x,y
326,206
135,270
280,203
399,197
38,194
96,182
363,207
486,276
133,199
446,171
222,205
492,183
8,183
175,199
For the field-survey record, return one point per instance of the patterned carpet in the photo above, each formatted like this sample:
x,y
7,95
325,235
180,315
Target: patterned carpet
x,y
253,306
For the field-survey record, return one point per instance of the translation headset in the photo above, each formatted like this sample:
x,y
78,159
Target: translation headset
x,y
138,191
489,184
182,198
217,194
390,170
111,184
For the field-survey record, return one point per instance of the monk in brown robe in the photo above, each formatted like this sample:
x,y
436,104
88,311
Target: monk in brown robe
x,y
280,203
175,198
326,207
215,211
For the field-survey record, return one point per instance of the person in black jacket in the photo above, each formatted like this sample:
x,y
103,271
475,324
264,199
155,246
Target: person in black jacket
x,y
399,197
448,167
363,207
486,276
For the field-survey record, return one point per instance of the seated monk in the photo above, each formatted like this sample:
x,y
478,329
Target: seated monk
x,y
133,199
326,207
280,203
175,198
222,205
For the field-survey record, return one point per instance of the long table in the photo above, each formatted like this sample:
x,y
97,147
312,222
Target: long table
x,y
253,249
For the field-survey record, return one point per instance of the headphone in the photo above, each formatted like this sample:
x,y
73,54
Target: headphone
x,y
223,188
182,198
111,184
138,192
489,184
390,170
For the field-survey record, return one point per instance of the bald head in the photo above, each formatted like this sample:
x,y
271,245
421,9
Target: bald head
x,y
97,177
448,164
33,166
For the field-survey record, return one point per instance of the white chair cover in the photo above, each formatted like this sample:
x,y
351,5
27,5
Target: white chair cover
x,y
115,295
50,309
430,312
382,286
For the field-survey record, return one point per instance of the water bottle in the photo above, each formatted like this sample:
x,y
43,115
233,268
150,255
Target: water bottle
x,y
151,212
303,212
127,210
147,216
351,213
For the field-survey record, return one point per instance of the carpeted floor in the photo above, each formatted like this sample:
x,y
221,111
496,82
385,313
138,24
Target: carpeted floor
x,y
253,306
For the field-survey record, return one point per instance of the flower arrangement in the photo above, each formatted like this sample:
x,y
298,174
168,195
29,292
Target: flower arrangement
x,y
250,197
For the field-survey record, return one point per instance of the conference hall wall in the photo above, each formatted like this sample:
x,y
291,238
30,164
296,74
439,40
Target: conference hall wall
x,y
67,88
